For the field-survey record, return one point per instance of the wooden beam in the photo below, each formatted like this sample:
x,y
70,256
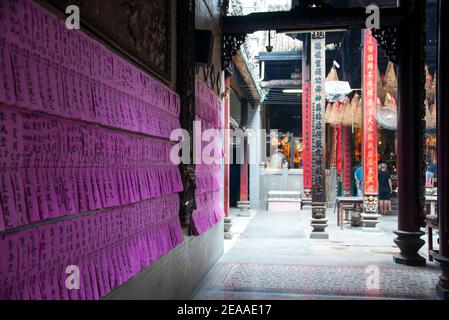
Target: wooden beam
x,y
280,56
236,88
245,80
308,19
281,84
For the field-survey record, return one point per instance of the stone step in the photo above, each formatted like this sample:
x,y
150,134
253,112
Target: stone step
x,y
284,204
284,194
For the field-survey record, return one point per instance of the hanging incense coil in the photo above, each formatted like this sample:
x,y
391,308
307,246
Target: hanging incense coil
x,y
380,86
358,123
430,88
390,102
431,115
390,80
336,115
333,75
379,104
434,85
327,113
429,84
356,99
427,113
349,112
386,115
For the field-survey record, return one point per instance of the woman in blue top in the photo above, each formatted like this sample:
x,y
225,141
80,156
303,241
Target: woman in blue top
x,y
358,175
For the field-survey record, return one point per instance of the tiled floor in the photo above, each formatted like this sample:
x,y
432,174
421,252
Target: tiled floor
x,y
272,257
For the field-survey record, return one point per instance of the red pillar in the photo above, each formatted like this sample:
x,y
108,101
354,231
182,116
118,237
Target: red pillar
x,y
347,165
307,140
306,120
243,204
369,146
244,177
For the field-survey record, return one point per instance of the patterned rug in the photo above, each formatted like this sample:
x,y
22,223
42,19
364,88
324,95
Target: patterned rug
x,y
275,281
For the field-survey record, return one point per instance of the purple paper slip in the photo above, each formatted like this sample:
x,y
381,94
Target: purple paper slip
x,y
7,195
56,49
19,72
50,167
69,240
3,265
19,193
38,30
7,93
52,202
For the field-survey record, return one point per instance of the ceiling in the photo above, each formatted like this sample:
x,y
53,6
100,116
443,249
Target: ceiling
x,y
350,3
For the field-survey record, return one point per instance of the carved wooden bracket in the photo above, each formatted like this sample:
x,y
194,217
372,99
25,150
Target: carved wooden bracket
x,y
387,38
231,45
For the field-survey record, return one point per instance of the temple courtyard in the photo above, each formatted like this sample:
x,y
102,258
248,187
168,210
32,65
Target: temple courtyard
x,y
271,256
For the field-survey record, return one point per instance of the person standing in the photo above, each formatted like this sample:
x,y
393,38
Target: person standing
x,y
385,188
358,175
431,174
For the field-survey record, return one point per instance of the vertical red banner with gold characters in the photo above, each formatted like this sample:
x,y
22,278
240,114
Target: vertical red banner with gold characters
x,y
370,181
307,135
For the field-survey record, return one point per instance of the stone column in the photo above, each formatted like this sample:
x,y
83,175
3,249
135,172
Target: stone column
x,y
443,147
410,134
318,71
254,156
